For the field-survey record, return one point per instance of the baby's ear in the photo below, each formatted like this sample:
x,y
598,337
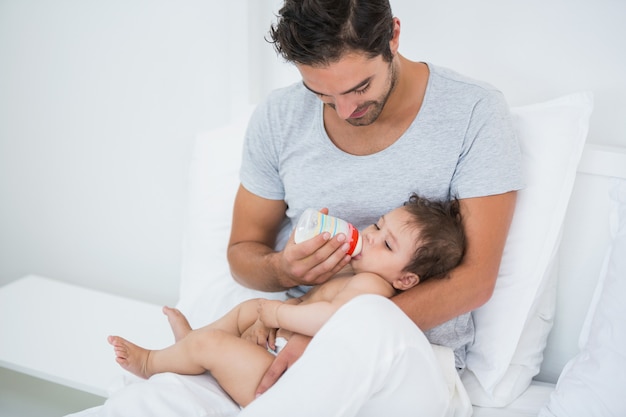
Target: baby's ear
x,y
406,281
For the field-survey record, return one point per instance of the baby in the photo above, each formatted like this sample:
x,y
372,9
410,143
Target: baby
x,y
420,240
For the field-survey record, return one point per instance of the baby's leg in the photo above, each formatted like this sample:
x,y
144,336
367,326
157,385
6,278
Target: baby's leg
x,y
131,357
183,357
236,364
178,322
237,320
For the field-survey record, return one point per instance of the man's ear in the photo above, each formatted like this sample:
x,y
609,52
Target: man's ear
x,y
406,281
394,44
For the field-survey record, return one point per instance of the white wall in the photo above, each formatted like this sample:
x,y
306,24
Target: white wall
x,y
100,102
532,50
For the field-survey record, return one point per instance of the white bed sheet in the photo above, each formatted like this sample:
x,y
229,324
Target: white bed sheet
x,y
527,405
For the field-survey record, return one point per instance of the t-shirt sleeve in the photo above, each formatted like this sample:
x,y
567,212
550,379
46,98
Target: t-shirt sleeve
x,y
490,160
259,172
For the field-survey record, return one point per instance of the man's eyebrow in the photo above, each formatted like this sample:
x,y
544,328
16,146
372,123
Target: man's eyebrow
x,y
356,87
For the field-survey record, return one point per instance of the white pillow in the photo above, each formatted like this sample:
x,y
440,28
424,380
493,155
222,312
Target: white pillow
x,y
512,328
207,290
593,382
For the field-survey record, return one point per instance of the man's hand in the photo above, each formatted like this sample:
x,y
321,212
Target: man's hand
x,y
253,261
315,260
287,357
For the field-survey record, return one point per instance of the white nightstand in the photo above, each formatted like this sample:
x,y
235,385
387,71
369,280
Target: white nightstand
x,y
57,331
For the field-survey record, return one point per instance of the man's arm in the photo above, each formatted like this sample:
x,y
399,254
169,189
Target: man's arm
x,y
470,285
255,264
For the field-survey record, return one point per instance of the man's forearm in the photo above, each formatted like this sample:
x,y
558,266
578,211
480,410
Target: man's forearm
x,y
252,265
486,221
255,225
434,302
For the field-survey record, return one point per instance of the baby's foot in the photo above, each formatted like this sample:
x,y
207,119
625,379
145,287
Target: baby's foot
x,y
178,322
130,356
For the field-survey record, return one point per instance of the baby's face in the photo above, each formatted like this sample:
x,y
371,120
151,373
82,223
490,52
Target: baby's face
x,y
388,245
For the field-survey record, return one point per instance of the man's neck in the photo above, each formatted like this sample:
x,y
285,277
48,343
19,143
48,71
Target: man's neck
x,y
401,108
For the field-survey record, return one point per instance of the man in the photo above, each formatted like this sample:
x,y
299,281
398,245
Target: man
x,y
386,126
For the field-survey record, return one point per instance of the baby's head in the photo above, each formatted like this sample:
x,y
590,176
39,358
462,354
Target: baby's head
x,y
420,240
441,241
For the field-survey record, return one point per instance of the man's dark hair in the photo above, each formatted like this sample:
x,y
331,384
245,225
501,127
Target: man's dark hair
x,y
320,32
441,239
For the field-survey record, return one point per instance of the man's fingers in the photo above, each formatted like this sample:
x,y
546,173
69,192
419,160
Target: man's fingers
x,y
271,339
276,369
287,357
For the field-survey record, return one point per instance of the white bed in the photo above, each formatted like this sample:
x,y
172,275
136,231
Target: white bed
x,y
551,267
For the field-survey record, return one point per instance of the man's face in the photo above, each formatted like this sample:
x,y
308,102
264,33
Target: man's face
x,y
356,87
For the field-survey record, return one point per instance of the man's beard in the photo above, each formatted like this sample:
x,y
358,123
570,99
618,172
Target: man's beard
x,y
376,106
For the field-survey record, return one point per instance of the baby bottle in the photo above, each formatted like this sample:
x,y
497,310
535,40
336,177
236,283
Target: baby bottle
x,y
313,222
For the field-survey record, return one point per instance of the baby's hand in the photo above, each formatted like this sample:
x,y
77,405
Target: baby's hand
x,y
259,334
268,312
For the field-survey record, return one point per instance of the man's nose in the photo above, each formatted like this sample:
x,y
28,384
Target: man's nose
x,y
344,107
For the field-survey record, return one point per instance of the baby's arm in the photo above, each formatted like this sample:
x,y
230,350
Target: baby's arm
x,y
307,318
261,334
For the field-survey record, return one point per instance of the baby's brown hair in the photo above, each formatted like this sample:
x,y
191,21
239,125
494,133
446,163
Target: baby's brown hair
x,y
441,240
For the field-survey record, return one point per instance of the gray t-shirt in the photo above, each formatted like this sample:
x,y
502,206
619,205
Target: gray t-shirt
x,y
461,143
